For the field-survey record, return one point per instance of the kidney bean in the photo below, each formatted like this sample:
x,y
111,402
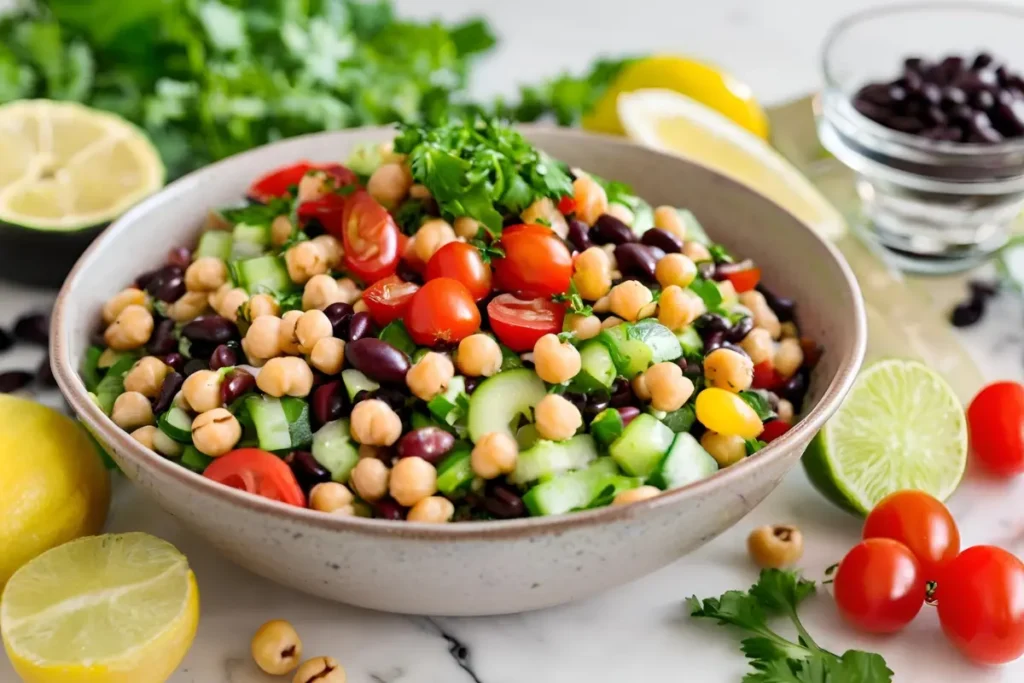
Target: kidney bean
x,y
621,394
378,360
142,281
168,390
735,349
712,341
213,329
328,402
429,443
578,400
360,326
628,413
175,360
578,235
162,341
44,374
784,308
6,340
223,357
387,508
594,406
195,365
503,501
740,330
361,395
167,283
33,328
610,230
635,260
13,380
393,397
308,472
339,315
663,239
179,256
236,384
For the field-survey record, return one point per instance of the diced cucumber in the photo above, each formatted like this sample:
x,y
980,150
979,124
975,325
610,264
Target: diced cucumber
x,y
281,424
663,344
334,449
547,458
631,356
249,241
643,217
643,443
693,345
264,274
607,426
613,486
91,367
394,333
455,472
500,401
694,230
526,436
177,424
193,459
596,361
296,411
356,381
679,421
450,406
571,490
112,384
365,159
215,243
685,463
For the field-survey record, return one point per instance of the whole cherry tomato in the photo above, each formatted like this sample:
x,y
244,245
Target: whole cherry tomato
x,y
370,237
536,262
258,472
744,276
879,587
519,323
278,182
981,604
442,311
995,421
388,299
920,522
461,261
773,430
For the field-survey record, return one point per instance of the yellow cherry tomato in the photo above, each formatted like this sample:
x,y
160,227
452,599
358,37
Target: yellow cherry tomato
x,y
726,413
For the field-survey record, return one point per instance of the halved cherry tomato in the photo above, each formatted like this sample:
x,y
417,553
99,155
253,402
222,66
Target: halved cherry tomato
x,y
765,376
536,262
994,421
276,183
328,210
773,430
442,311
879,586
388,299
566,205
370,237
744,276
519,323
462,262
920,522
258,472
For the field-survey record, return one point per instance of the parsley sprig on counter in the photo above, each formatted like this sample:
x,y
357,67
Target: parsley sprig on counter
x,y
775,658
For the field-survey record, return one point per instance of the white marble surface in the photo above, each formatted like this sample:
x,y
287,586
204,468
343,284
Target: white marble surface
x,y
639,632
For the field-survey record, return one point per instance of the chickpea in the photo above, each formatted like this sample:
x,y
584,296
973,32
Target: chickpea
x,y
611,321
603,305
640,389
430,376
613,263
545,210
206,274
679,307
310,328
420,193
374,423
190,306
370,478
758,345
670,390
146,376
591,199
262,304
467,228
320,292
285,375
262,339
330,496
304,260
431,236
131,411
785,411
622,212
493,455
557,418
276,647
331,248
675,269
636,495
764,316
592,275
555,361
478,356
286,338
348,291
202,390
628,298
130,329
313,186
390,184
320,670
328,355
725,449
583,326
215,432
433,510
117,303
382,453
647,311
668,219
145,435
227,300
165,445
412,480
789,356
728,369
281,230
775,546
696,251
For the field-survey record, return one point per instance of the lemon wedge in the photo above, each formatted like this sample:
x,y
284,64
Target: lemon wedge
x,y
671,122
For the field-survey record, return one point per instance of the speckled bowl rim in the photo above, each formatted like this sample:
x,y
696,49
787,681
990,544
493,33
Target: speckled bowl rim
x,y
75,392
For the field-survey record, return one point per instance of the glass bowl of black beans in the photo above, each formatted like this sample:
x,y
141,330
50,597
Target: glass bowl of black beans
x,y
926,104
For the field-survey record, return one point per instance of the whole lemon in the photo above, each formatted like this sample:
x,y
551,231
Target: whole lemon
x,y
53,486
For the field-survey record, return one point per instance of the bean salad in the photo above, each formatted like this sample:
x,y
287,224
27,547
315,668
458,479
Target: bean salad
x,y
450,327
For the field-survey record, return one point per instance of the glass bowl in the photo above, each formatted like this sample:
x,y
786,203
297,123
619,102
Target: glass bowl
x,y
936,206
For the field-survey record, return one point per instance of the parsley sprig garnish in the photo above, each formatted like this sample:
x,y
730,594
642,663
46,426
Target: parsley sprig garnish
x,y
574,300
775,658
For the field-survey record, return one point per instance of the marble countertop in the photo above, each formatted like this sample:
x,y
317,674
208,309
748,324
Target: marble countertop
x,y
639,632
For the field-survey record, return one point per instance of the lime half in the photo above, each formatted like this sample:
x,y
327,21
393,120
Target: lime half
x,y
901,427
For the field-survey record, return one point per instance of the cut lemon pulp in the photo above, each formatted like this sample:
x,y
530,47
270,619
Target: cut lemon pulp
x,y
674,123
66,166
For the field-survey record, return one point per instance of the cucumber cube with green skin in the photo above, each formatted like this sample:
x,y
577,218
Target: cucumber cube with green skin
x,y
643,443
450,406
631,356
176,424
193,459
546,458
663,343
355,382
576,490
334,449
685,463
501,401
607,426
455,473
281,424
264,274
693,345
215,243
597,364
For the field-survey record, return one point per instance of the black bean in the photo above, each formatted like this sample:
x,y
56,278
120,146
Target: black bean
x,y
168,390
594,406
914,64
395,398
6,340
167,283
471,384
739,331
621,394
12,380
429,443
223,357
236,384
635,260
967,313
362,395
175,360
578,400
875,112
905,124
657,252
1010,117
983,99
932,94
179,256
578,236
386,508
662,239
875,93
328,402
33,328
213,329
44,374
142,281
162,340
339,315
953,96
610,230
981,61
912,81
897,94
194,366
712,341
503,501
407,273
784,308
308,472
936,116
981,289
360,326
378,360
794,388
712,322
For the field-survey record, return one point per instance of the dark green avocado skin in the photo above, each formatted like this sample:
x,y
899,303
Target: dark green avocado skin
x,y
41,258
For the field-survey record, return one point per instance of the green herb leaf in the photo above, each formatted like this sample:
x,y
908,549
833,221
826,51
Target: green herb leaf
x,y
576,304
759,402
394,333
719,254
753,445
708,291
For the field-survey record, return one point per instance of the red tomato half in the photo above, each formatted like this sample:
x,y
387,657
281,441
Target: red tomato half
x,y
879,587
765,376
370,236
519,323
743,276
277,182
442,311
920,522
995,420
536,262
258,472
462,262
773,430
981,604
388,299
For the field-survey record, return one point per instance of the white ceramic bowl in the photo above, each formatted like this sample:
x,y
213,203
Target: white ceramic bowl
x,y
479,567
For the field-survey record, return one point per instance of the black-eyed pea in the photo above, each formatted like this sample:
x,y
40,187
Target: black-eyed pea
x,y
675,269
389,184
201,390
728,369
281,230
370,478
117,303
555,361
132,410
374,423
669,388
627,299
332,497
583,326
286,338
432,510
785,411
131,328
206,274
215,432
188,307
775,546
478,356
285,376
726,449
311,327
263,338
431,236
493,455
636,495
328,355
313,186
276,647
611,321
430,375
544,210
146,376
467,228
145,435
591,199
320,670
304,260
262,304
789,356
758,345
678,307
556,418
331,247
696,251
668,219
412,480
640,390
